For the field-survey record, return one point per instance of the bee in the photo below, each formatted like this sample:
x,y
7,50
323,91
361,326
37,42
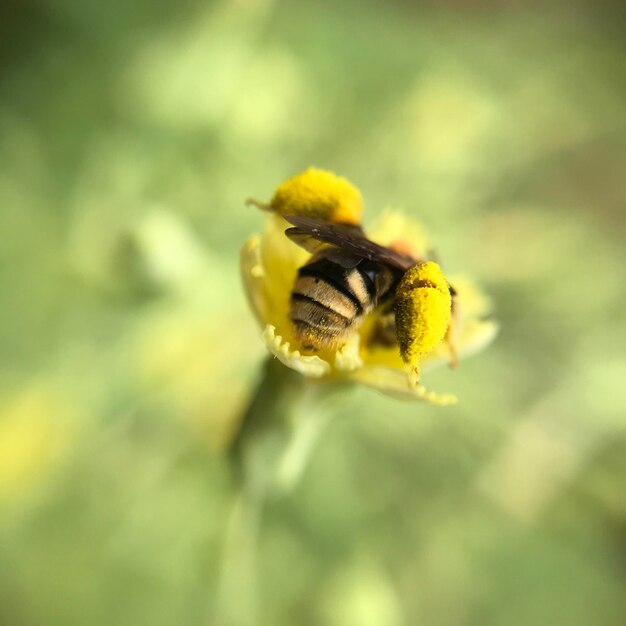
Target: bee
x,y
347,277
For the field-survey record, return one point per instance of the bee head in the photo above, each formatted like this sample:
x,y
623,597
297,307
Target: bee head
x,y
423,309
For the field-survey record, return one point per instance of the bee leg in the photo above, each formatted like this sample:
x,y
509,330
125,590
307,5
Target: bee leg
x,y
385,330
450,336
414,377
450,340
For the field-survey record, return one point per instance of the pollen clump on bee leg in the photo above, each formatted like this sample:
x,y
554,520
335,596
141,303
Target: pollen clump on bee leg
x,y
423,305
320,194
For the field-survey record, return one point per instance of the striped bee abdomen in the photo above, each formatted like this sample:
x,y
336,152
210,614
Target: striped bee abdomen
x,y
328,302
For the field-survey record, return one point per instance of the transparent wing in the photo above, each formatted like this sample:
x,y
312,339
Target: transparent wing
x,y
311,234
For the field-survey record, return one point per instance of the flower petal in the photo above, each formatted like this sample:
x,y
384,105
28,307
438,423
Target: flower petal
x,y
280,259
254,277
395,382
347,358
311,366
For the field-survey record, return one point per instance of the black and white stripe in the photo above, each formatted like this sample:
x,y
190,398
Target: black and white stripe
x,y
329,299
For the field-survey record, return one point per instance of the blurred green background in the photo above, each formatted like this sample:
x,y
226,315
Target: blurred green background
x,y
131,133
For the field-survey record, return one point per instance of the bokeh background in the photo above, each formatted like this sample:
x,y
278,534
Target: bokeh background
x,y
131,133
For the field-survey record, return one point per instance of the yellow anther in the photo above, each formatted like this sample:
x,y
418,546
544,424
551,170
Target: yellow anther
x,y
317,193
423,305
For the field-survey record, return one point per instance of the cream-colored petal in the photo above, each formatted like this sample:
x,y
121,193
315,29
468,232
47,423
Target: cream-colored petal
x,y
281,259
475,336
472,301
269,264
311,366
347,358
395,382
254,277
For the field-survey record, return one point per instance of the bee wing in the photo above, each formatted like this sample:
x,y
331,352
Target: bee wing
x,y
312,234
305,240
330,251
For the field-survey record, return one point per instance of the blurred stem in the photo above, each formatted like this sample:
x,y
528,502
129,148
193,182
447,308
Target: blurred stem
x,y
269,412
269,454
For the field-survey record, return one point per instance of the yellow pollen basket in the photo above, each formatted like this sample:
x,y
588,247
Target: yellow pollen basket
x,y
423,309
320,194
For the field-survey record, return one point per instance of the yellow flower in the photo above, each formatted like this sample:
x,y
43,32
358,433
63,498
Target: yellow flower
x,y
270,265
